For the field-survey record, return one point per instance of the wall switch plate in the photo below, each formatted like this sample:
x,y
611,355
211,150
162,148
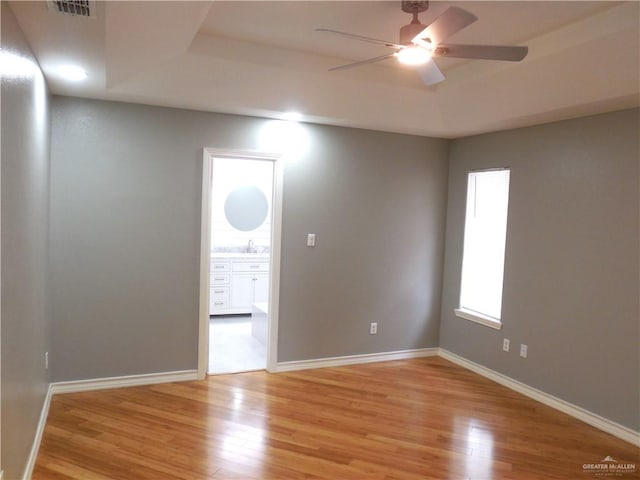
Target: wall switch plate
x,y
523,350
373,328
311,240
505,344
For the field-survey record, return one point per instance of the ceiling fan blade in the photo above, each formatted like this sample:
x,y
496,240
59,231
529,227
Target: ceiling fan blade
x,y
451,21
363,62
361,38
482,52
430,73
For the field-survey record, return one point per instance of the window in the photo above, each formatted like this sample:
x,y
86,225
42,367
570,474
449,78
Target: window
x,y
485,232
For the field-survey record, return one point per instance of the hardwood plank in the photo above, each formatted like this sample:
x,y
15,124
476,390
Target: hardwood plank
x,y
411,419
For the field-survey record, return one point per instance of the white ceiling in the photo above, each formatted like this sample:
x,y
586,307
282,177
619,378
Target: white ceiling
x,y
264,58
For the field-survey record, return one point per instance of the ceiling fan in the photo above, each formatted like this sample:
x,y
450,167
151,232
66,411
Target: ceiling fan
x,y
420,43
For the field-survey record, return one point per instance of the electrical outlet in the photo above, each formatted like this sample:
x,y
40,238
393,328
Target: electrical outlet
x,y
523,350
505,344
373,328
46,360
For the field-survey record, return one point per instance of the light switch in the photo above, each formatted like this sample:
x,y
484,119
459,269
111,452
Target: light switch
x,y
311,240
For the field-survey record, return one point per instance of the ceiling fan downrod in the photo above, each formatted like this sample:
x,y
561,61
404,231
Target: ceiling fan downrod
x,y
414,7
408,32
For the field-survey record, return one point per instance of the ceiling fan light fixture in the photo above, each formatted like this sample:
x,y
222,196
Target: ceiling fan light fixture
x,y
413,55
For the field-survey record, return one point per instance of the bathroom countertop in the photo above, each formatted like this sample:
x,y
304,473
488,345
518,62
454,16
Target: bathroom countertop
x,y
240,255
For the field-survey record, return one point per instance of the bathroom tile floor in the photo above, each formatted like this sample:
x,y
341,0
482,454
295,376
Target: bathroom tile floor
x,y
232,348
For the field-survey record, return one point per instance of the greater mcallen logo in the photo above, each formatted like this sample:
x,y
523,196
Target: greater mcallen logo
x,y
609,467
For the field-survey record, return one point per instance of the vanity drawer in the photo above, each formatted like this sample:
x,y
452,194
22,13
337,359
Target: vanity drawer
x,y
217,304
218,279
250,266
218,299
217,267
219,293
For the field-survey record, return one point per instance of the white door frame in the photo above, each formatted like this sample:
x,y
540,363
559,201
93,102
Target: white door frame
x,y
274,258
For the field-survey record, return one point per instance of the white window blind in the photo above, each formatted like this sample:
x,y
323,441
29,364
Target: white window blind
x,y
484,243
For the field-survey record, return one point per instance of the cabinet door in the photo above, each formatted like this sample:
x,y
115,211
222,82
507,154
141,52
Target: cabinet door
x,y
241,291
261,288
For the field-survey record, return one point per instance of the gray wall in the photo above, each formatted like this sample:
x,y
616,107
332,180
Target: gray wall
x,y
377,204
571,266
25,221
125,214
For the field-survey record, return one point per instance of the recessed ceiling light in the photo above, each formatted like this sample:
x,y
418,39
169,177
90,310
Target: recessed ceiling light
x,y
72,73
292,117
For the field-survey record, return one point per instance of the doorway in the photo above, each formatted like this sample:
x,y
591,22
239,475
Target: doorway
x,y
240,259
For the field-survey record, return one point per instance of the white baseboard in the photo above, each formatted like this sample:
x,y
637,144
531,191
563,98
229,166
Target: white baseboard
x,y
35,446
601,423
355,359
126,381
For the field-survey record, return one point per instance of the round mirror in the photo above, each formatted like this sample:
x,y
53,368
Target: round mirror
x,y
246,208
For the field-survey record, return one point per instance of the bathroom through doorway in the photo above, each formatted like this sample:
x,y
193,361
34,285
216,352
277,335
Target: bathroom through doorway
x,y
240,258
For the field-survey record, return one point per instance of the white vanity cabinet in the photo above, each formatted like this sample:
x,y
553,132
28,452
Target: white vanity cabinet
x,y
249,289
237,283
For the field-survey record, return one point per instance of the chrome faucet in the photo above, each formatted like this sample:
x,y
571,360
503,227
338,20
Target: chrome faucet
x,y
250,246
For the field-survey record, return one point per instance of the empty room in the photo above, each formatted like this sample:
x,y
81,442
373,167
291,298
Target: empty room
x,y
320,240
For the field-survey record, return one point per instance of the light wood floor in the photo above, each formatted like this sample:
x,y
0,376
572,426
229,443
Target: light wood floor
x,y
411,419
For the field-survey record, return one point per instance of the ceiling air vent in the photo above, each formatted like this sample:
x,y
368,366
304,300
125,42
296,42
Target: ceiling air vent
x,y
80,8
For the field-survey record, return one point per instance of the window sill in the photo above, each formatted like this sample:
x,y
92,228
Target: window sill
x,y
478,318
